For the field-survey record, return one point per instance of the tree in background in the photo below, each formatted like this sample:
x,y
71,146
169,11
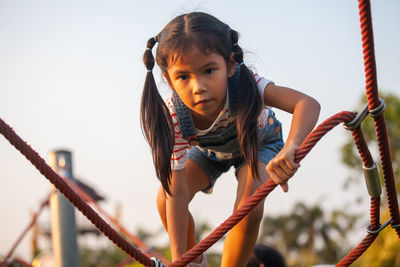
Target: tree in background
x,y
385,251
308,235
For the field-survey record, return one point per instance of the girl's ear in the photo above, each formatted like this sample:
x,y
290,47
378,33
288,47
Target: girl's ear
x,y
231,66
169,81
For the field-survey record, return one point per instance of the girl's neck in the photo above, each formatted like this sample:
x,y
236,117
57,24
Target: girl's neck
x,y
203,123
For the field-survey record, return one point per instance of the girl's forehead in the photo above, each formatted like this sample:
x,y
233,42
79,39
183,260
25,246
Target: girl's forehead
x,y
192,56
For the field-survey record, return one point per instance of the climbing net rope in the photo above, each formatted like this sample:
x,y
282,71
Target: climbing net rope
x,y
375,108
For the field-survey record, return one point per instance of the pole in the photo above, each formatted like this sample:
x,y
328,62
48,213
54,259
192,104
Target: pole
x,y
63,226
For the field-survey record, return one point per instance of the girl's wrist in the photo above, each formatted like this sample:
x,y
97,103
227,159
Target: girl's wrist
x,y
292,143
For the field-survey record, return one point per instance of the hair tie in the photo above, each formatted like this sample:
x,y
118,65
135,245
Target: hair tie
x,y
235,44
241,63
149,70
148,48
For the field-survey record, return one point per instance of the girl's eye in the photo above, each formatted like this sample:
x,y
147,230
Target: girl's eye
x,y
209,71
182,77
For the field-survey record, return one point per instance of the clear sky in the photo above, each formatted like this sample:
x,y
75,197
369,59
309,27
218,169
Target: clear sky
x,y
71,77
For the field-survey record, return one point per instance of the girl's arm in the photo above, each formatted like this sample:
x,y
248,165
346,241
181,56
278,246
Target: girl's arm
x,y
305,110
178,213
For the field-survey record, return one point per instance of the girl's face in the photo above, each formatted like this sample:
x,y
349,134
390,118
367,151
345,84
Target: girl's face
x,y
200,80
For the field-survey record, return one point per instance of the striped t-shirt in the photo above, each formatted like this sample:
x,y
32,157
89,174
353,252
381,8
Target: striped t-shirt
x,y
224,119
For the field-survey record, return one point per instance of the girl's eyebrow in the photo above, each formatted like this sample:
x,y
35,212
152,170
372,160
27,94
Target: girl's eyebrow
x,y
208,64
211,63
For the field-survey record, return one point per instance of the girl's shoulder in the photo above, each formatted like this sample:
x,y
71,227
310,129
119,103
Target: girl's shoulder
x,y
170,105
261,81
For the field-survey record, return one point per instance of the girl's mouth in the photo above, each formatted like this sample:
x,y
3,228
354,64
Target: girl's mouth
x,y
203,101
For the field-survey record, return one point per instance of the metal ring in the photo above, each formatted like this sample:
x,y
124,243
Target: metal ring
x,y
157,262
357,120
379,110
377,231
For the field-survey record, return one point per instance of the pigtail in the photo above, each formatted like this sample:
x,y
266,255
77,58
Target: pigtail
x,y
249,109
156,121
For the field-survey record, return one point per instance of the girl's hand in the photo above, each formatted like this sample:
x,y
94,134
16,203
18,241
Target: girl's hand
x,y
282,167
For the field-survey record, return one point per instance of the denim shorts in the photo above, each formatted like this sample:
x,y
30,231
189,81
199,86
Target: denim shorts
x,y
213,167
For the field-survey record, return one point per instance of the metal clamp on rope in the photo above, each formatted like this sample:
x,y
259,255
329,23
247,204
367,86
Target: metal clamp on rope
x,y
372,180
379,110
357,120
157,262
377,231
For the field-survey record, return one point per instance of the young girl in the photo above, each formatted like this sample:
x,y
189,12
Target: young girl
x,y
217,117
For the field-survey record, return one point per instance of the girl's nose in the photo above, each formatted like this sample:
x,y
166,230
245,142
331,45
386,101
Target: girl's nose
x,y
199,87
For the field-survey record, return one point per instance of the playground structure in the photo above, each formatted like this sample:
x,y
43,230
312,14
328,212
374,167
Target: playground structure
x,y
351,120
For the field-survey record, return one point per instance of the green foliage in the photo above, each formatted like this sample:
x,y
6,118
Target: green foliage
x,y
101,258
307,235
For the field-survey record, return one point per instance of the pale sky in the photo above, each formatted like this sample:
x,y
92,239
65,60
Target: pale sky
x,y
71,77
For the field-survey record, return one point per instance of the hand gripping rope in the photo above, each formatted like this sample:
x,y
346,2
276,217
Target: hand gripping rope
x,y
375,107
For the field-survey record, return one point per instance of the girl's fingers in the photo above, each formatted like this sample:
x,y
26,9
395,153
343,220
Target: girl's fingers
x,y
277,180
286,168
274,177
281,174
285,187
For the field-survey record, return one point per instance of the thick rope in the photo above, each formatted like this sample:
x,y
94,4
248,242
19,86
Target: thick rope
x,y
73,197
263,191
368,240
362,148
373,102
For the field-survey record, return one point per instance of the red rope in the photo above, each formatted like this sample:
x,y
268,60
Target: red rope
x,y
263,191
362,147
358,251
73,197
368,240
373,103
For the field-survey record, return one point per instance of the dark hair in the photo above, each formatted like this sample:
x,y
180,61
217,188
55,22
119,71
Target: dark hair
x,y
267,256
210,35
